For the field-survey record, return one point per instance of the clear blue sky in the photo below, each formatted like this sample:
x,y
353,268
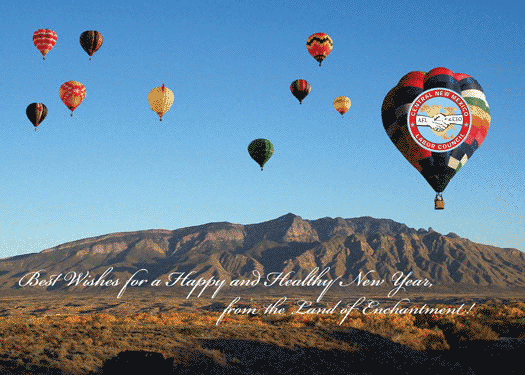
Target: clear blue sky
x,y
114,167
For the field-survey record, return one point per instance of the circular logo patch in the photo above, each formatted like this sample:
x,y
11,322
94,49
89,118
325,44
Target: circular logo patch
x,y
439,120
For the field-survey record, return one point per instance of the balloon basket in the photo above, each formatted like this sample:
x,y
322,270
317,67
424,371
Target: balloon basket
x,y
439,203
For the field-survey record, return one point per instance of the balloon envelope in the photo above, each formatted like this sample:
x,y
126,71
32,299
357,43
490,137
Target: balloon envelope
x,y
36,113
319,45
342,104
160,100
261,150
91,41
437,120
300,88
44,40
72,93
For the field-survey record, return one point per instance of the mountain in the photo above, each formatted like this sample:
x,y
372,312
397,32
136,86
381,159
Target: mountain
x,y
288,243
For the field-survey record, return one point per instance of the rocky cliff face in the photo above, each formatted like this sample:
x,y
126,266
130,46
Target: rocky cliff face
x,y
287,243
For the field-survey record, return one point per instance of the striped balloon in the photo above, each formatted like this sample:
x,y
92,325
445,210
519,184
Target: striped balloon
x,y
91,41
437,166
300,88
36,113
319,45
44,40
72,93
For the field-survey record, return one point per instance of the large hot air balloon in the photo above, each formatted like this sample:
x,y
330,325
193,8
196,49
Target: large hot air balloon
x,y
319,45
44,40
160,100
437,120
342,104
36,113
300,88
261,150
91,40
72,93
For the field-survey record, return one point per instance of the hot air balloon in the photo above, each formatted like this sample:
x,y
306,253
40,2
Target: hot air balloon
x,y
91,40
44,40
160,100
36,113
300,88
261,150
72,93
437,120
319,45
342,104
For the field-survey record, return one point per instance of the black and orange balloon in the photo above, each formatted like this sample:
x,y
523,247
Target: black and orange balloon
x,y
91,41
300,88
36,113
319,45
437,120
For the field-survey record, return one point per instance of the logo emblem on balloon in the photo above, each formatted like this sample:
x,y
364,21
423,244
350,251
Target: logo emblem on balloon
x,y
439,119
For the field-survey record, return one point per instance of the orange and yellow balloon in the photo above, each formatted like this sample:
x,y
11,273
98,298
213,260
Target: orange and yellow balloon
x,y
72,93
342,104
160,100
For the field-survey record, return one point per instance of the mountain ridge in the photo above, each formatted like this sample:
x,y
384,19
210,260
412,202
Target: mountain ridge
x,y
288,243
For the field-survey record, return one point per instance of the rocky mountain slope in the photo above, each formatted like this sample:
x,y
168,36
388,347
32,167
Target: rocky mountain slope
x,y
288,243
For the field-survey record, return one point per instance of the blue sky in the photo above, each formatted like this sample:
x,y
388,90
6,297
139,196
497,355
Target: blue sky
x,y
114,167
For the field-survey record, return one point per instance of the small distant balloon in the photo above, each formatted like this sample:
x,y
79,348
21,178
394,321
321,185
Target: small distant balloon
x,y
300,89
160,100
44,40
72,93
342,104
260,150
36,113
91,41
319,45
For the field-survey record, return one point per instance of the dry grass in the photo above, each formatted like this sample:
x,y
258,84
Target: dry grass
x,y
81,343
